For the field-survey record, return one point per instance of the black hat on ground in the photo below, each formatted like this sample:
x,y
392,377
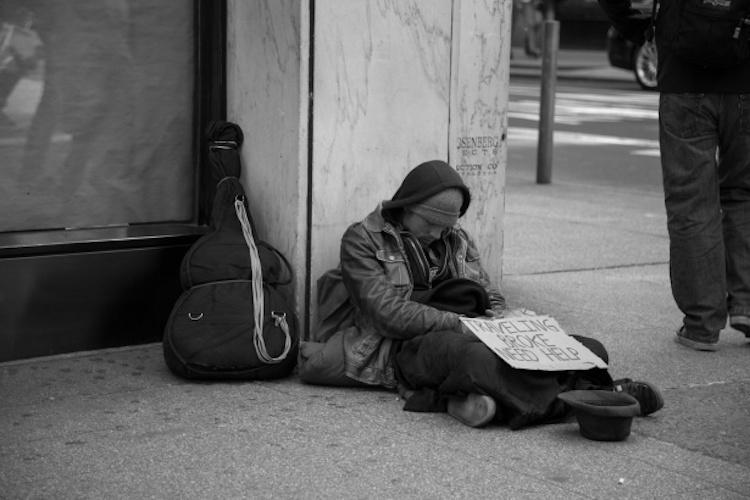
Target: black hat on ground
x,y
603,415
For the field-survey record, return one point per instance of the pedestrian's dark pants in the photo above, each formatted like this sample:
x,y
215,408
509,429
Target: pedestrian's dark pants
x,y
705,156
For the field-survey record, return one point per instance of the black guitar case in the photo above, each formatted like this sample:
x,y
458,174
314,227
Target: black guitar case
x,y
232,320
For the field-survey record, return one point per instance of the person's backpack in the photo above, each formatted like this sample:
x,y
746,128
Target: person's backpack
x,y
708,33
232,320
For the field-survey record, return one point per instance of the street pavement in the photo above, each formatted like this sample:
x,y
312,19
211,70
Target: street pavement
x,y
571,64
116,423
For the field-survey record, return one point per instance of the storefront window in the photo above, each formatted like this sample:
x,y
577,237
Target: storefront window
x,y
96,113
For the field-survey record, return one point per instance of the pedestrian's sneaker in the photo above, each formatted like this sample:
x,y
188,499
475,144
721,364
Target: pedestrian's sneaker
x,y
742,323
475,410
647,395
682,338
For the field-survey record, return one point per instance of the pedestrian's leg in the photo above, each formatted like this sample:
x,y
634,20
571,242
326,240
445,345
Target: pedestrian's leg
x,y
688,125
734,178
531,29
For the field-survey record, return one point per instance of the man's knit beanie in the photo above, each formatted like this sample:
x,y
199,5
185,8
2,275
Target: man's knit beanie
x,y
441,209
425,181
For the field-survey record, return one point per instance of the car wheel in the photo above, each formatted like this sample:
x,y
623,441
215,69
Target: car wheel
x,y
644,65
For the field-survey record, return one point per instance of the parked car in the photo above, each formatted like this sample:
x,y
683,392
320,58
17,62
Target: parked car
x,y
640,59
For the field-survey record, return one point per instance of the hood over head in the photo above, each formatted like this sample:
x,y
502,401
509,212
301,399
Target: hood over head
x,y
422,183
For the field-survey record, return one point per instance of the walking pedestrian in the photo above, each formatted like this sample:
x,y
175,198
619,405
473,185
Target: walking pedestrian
x,y
533,20
704,136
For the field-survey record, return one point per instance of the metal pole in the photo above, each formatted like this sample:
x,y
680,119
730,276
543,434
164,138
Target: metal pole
x,y
547,101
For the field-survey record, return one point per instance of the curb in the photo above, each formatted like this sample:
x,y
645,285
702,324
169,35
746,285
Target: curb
x,y
592,73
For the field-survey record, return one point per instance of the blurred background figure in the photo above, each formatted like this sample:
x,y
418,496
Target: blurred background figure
x,y
532,18
18,52
87,89
103,97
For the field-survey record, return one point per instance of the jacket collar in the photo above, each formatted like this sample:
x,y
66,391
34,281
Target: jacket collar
x,y
375,221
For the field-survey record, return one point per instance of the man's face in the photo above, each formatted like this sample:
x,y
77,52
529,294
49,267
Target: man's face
x,y
425,231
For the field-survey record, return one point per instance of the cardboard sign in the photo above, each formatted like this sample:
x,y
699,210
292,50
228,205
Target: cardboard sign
x,y
533,343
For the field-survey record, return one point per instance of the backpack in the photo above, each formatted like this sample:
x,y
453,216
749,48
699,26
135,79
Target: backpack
x,y
232,320
707,33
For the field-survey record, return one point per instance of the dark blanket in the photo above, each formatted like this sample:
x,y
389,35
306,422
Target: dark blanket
x,y
448,363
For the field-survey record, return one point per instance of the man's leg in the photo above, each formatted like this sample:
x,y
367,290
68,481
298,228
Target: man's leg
x,y
425,362
688,135
734,179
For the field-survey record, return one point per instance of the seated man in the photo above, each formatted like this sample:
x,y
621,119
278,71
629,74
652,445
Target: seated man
x,y
389,316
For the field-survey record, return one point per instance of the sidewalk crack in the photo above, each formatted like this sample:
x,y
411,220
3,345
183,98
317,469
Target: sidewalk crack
x,y
587,269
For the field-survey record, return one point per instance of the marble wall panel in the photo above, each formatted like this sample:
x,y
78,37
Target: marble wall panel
x,y
267,68
393,83
478,118
381,91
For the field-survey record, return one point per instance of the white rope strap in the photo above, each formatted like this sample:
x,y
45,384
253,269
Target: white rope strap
x,y
257,290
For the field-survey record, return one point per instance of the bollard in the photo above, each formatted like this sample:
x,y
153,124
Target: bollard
x,y
547,102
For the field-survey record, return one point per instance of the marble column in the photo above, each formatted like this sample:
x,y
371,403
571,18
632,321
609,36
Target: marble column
x,y
392,83
480,68
267,95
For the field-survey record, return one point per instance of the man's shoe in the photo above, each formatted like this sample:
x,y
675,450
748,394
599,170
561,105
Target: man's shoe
x,y
647,395
475,410
740,322
682,338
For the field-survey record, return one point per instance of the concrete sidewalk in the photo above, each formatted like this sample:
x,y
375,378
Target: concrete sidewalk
x,y
117,424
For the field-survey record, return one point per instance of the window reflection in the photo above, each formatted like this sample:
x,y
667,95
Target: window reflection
x,y
96,117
